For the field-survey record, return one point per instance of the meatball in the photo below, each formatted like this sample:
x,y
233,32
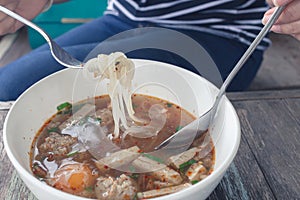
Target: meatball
x,y
57,145
120,188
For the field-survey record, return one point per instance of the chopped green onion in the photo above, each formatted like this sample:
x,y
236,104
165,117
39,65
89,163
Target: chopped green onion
x,y
131,168
169,105
194,182
53,129
99,119
70,154
186,164
134,176
63,106
157,159
89,189
135,196
178,128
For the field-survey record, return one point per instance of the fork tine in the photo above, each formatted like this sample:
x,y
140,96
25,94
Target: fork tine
x,y
63,57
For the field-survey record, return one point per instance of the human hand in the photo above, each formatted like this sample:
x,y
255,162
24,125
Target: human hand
x,y
25,8
289,20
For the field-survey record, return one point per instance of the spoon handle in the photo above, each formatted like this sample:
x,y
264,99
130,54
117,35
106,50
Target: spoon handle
x,y
251,48
206,119
245,56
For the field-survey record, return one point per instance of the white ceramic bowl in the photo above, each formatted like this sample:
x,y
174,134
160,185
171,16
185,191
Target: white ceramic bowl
x,y
180,86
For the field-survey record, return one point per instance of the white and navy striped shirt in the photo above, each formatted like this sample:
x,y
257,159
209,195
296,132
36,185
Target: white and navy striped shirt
x,y
234,19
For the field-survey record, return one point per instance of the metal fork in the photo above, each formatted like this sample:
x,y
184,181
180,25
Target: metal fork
x,y
59,54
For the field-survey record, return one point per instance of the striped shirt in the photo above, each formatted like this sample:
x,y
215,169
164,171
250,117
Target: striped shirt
x,y
233,19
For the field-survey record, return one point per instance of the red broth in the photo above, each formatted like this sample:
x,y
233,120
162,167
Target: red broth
x,y
54,161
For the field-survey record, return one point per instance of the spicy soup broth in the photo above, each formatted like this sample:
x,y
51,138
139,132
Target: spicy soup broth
x,y
56,160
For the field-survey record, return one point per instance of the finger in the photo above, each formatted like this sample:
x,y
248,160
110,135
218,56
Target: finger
x,y
267,15
289,14
9,25
290,28
281,2
297,36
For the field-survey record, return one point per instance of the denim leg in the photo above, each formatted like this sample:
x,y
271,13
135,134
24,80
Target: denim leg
x,y
17,76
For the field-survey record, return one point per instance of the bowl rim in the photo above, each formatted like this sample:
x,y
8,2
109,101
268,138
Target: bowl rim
x,y
34,181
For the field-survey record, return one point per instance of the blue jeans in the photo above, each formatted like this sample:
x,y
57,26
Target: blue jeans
x,y
17,76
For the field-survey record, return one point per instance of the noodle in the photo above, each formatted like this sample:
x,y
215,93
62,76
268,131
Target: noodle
x,y
120,71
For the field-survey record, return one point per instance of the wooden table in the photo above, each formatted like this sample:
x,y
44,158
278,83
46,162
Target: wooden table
x,y
267,165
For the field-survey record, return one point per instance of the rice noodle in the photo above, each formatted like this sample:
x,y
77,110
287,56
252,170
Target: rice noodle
x,y
120,71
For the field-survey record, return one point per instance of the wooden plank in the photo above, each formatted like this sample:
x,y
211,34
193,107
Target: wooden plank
x,y
6,105
10,181
275,143
293,105
244,180
264,95
16,184
280,67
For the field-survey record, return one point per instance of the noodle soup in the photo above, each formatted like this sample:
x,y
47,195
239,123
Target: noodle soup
x,y
60,159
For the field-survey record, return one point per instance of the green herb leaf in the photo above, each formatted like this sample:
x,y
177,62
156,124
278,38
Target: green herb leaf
x,y
63,106
194,182
73,153
89,189
134,176
178,128
169,105
131,168
53,129
99,119
135,196
186,164
157,159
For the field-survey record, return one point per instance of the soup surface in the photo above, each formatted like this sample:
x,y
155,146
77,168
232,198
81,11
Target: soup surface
x,y
64,155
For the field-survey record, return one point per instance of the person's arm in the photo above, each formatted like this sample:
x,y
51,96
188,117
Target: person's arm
x,y
289,20
25,8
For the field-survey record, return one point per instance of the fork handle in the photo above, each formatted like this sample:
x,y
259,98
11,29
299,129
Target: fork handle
x,y
25,21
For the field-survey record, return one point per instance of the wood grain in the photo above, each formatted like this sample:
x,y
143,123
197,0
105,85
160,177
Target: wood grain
x,y
280,68
244,180
264,95
275,142
11,186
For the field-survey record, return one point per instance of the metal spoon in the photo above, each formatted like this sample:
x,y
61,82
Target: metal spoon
x,y
202,123
59,54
